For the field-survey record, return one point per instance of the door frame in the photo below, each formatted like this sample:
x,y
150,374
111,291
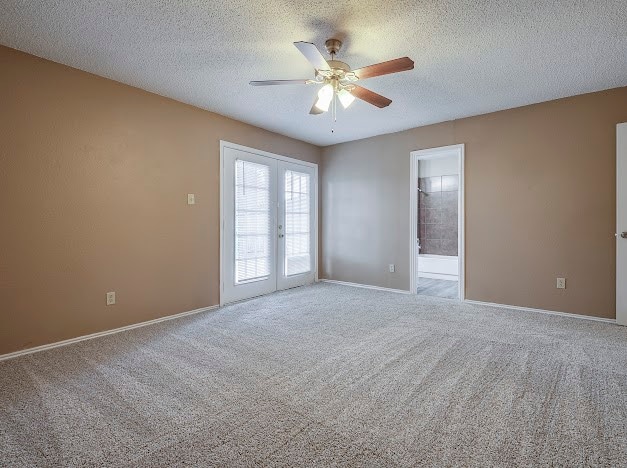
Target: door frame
x,y
621,222
435,153
278,157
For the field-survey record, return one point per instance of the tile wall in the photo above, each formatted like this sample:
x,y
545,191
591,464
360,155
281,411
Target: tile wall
x,y
437,214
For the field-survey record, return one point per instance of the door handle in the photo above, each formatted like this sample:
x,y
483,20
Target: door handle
x,y
623,234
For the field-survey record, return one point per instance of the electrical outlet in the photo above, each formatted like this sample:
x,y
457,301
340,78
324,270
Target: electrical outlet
x,y
111,298
191,199
392,268
561,283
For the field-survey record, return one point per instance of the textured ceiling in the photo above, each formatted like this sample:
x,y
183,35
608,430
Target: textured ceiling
x,y
471,57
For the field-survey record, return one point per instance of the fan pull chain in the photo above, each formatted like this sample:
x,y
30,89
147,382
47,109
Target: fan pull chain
x,y
334,112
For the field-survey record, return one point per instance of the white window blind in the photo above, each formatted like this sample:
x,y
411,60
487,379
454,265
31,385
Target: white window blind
x,y
252,221
297,223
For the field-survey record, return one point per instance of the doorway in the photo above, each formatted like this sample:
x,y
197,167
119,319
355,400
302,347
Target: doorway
x,y
437,222
268,218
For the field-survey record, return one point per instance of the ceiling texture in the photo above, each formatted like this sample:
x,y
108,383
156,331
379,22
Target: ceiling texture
x,y
471,57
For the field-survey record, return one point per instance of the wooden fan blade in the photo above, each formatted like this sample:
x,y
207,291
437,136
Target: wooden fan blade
x,y
278,82
370,97
385,68
311,53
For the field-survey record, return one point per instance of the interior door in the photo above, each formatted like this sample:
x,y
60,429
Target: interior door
x,y
621,224
296,228
250,217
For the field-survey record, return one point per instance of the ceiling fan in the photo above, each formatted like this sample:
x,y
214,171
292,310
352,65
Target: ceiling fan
x,y
338,79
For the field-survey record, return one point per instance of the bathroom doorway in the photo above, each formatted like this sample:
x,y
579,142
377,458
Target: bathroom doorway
x,y
437,222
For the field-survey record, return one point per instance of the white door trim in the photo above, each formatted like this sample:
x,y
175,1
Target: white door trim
x,y
248,149
621,224
433,153
227,144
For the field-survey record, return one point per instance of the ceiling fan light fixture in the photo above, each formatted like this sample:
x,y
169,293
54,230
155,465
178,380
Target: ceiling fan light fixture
x,y
345,98
325,96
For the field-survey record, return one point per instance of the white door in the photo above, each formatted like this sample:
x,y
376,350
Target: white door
x,y
268,235
250,218
621,224
296,262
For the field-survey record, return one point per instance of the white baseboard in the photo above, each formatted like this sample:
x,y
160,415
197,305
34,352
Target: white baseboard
x,y
489,304
366,286
205,309
443,276
541,311
102,333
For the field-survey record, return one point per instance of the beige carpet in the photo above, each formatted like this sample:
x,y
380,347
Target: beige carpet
x,y
326,375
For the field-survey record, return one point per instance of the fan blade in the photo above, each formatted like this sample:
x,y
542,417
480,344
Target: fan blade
x,y
311,53
278,82
370,97
385,68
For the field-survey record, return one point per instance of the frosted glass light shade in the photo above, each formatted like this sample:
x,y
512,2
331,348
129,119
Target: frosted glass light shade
x,y
325,96
345,98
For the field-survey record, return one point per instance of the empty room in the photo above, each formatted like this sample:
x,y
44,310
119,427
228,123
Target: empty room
x,y
280,233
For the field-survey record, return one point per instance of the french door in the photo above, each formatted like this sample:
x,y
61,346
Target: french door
x,y
268,235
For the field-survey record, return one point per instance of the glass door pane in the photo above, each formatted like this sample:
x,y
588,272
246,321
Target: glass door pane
x,y
252,221
296,227
297,223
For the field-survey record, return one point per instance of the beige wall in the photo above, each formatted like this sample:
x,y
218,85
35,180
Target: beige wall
x,y
540,203
93,182
94,176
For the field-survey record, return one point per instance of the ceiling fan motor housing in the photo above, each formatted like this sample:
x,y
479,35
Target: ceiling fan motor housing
x,y
340,71
339,66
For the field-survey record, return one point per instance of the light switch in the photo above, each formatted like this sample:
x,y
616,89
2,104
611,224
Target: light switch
x,y
191,199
